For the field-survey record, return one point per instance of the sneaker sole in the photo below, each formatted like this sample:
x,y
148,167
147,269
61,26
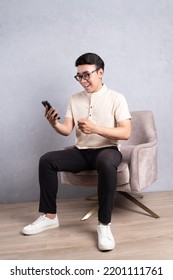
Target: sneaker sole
x,y
40,230
106,249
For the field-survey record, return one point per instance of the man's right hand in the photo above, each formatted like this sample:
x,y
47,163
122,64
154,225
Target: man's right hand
x,y
52,115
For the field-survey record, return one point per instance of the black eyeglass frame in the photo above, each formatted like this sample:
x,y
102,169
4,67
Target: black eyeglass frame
x,y
79,77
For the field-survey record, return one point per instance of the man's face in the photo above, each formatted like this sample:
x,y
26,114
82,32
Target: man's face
x,y
90,79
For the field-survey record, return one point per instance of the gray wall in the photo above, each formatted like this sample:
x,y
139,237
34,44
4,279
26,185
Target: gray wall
x,y
39,42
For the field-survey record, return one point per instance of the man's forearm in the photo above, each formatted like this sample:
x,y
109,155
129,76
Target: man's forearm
x,y
64,128
121,132
118,133
61,129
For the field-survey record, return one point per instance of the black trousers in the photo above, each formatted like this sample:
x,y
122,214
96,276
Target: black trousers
x,y
104,160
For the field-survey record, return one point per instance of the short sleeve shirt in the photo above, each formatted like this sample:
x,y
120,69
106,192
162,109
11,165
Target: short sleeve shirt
x,y
104,108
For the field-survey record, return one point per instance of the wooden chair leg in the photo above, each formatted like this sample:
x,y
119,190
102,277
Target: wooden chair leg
x,y
141,205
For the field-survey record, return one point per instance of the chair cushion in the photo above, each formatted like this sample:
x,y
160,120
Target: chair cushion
x,y
126,151
123,174
89,178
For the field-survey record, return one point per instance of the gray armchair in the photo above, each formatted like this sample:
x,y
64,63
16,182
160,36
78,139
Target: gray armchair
x,y
138,169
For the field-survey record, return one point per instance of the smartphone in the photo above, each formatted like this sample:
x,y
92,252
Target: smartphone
x,y
46,103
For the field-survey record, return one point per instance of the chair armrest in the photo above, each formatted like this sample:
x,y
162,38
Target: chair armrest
x,y
143,165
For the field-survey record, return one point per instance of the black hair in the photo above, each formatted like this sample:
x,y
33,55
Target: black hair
x,y
90,58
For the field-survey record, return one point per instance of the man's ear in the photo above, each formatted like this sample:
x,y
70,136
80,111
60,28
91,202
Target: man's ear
x,y
100,72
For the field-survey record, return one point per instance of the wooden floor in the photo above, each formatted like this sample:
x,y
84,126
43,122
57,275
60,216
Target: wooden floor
x,y
138,236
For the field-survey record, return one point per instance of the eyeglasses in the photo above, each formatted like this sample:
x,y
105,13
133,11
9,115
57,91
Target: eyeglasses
x,y
85,75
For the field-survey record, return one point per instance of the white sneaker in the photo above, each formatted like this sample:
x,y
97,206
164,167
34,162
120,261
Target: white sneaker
x,y
105,238
41,224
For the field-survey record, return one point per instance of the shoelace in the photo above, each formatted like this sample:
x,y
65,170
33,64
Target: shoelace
x,y
39,220
105,232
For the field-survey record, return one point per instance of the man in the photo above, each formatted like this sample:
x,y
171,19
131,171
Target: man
x,y
100,117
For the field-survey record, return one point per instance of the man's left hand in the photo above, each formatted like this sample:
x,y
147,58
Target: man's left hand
x,y
86,126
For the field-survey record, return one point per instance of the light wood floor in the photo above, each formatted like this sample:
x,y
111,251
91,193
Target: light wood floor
x,y
138,236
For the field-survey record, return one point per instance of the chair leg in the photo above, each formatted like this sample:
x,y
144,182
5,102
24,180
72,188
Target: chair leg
x,y
91,212
137,194
141,205
91,197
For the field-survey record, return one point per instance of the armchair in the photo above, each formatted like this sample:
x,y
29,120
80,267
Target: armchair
x,y
138,169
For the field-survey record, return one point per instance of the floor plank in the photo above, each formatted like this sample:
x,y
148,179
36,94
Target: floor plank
x,y
138,236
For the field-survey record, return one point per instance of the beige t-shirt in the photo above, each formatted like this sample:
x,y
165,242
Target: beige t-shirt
x,y
105,108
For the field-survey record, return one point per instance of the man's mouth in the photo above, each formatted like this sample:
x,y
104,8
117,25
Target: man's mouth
x,y
86,86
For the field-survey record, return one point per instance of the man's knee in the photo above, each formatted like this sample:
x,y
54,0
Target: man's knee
x,y
105,164
45,159
108,160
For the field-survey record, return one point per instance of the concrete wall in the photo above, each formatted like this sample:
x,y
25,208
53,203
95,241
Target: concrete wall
x,y
39,42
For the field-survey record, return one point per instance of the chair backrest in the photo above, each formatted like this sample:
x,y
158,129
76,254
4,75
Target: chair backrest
x,y
143,128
